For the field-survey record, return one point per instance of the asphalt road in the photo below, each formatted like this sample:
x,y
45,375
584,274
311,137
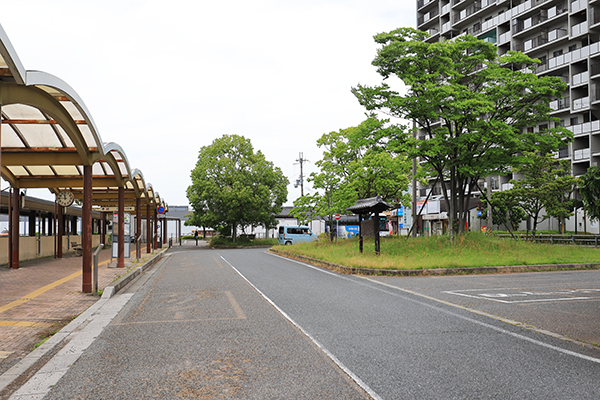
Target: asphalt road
x,y
198,329
405,344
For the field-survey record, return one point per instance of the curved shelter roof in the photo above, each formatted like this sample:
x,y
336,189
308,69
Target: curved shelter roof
x,y
48,136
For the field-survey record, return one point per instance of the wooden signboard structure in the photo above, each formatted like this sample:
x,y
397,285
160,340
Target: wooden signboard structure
x,y
364,207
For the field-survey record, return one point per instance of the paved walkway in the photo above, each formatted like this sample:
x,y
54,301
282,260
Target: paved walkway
x,y
41,297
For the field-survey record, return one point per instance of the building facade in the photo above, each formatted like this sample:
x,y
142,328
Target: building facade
x,y
564,35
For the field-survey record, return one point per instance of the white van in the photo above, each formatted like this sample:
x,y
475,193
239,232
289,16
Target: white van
x,y
290,234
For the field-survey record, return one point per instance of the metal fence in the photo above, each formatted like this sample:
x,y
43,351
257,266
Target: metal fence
x,y
585,240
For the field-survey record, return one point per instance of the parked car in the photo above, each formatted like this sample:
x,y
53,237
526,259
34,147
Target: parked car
x,y
290,234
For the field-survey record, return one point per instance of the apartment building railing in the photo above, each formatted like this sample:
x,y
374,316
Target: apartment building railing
x,y
542,39
595,95
581,154
472,9
585,128
424,18
561,104
595,16
580,103
580,78
563,152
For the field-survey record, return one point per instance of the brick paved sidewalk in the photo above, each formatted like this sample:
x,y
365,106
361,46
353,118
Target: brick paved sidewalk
x,y
29,309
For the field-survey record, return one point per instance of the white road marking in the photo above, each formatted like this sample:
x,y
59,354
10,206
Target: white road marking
x,y
504,295
501,330
351,374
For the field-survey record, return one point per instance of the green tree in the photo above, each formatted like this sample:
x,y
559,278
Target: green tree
x,y
472,108
589,189
233,186
506,210
356,164
545,184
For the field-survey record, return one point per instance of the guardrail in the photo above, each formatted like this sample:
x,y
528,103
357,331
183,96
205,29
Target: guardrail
x,y
585,240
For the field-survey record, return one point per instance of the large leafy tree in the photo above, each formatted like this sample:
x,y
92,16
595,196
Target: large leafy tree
x,y
545,183
233,186
589,189
472,108
356,164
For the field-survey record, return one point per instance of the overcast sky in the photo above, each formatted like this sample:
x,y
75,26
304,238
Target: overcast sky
x,y
163,79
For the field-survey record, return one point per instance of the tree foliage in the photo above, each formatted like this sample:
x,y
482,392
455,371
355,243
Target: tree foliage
x,y
589,189
234,186
356,164
545,184
472,107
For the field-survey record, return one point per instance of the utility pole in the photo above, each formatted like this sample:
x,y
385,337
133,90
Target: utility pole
x,y
300,181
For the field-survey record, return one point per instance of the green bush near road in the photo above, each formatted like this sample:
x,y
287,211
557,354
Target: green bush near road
x,y
470,250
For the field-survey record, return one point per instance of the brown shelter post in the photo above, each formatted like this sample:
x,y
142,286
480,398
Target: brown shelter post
x,y
14,230
60,232
138,226
121,229
155,227
148,230
86,230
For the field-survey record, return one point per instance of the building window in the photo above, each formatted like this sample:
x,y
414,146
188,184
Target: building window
x,y
557,53
573,47
574,120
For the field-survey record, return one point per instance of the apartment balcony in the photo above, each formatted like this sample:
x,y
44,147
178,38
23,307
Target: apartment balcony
x,y
594,16
423,3
578,5
541,40
581,154
581,103
585,128
428,16
560,104
581,78
563,152
539,19
580,29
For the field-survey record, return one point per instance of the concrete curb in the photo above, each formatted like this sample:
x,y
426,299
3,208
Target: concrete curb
x,y
74,326
110,291
437,271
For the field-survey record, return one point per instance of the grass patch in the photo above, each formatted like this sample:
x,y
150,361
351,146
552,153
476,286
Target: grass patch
x,y
52,329
470,250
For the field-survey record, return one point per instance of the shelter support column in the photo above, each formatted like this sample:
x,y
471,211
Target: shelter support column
x,y
14,230
86,229
138,226
121,229
155,227
148,230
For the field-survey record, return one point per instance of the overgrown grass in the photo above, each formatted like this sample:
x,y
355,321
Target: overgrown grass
x,y
243,241
470,250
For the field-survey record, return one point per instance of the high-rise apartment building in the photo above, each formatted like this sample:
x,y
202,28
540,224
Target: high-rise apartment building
x,y
563,34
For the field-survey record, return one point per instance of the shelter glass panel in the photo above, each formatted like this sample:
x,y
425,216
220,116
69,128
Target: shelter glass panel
x,y
87,136
40,170
66,139
18,170
66,170
10,137
39,135
71,109
21,111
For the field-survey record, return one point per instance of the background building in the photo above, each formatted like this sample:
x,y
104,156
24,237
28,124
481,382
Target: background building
x,y
564,36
